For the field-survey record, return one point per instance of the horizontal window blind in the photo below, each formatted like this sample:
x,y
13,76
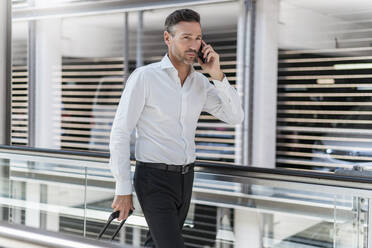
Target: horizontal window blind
x,y
19,105
324,116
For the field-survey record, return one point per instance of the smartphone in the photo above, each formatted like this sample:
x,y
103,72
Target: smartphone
x,y
200,54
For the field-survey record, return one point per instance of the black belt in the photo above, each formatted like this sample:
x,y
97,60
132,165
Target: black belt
x,y
183,169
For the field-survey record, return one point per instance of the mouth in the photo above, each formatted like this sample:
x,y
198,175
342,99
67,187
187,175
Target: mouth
x,y
190,54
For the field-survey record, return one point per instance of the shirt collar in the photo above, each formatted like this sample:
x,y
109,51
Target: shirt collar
x,y
165,63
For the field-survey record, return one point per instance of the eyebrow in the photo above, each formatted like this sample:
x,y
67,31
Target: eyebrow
x,y
199,35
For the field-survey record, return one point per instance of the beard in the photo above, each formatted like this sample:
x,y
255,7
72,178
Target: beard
x,y
189,60
185,58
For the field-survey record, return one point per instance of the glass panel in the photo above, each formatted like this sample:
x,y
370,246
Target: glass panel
x,y
350,226
49,193
41,194
324,90
88,54
92,79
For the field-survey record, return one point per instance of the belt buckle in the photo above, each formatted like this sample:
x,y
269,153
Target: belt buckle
x,y
186,168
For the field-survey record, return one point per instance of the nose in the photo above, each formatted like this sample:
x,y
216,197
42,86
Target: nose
x,y
195,45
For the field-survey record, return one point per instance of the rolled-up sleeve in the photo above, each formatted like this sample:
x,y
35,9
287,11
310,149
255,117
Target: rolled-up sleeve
x,y
223,102
127,114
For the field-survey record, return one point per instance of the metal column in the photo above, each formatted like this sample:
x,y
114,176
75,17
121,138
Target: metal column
x,y
126,48
369,227
31,68
246,37
139,57
6,72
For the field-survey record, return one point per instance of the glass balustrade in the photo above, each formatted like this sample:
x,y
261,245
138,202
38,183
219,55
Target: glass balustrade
x,y
230,208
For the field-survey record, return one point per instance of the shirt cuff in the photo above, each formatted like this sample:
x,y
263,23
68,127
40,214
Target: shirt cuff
x,y
123,188
221,85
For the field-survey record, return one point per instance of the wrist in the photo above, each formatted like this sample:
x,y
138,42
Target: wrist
x,y
218,76
124,196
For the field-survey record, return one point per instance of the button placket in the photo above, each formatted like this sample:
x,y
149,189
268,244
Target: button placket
x,y
185,89
183,109
182,121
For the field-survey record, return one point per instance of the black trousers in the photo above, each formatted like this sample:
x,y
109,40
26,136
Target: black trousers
x,y
164,197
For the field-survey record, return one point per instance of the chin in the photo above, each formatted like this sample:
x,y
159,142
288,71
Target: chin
x,y
189,61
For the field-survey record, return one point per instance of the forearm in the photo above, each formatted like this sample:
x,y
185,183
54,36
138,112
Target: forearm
x,y
120,162
127,115
224,102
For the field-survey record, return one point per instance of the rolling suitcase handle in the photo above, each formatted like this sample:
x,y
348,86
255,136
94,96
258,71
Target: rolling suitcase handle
x,y
113,216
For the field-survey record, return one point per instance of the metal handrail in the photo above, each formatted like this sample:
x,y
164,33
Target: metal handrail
x,y
329,178
30,235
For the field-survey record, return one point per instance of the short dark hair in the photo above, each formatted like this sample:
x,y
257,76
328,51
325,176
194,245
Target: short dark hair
x,y
181,15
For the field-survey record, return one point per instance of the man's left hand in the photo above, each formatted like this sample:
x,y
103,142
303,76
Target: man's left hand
x,y
212,64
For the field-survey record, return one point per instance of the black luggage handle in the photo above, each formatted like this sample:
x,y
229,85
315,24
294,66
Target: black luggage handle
x,y
113,216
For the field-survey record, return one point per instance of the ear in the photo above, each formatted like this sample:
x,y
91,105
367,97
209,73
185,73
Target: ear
x,y
167,37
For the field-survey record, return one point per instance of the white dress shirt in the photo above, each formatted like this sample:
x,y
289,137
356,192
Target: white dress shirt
x,y
165,115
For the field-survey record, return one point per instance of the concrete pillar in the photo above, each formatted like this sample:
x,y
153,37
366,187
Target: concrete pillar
x,y
122,235
17,189
45,81
265,84
5,70
251,227
225,233
52,219
247,229
32,216
48,61
136,237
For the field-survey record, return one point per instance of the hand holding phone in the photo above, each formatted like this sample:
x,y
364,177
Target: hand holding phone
x,y
210,64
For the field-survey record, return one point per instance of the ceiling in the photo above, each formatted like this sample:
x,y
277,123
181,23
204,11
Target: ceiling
x,y
344,9
216,16
224,16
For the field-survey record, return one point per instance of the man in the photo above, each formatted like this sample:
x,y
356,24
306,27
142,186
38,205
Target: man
x,y
163,101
